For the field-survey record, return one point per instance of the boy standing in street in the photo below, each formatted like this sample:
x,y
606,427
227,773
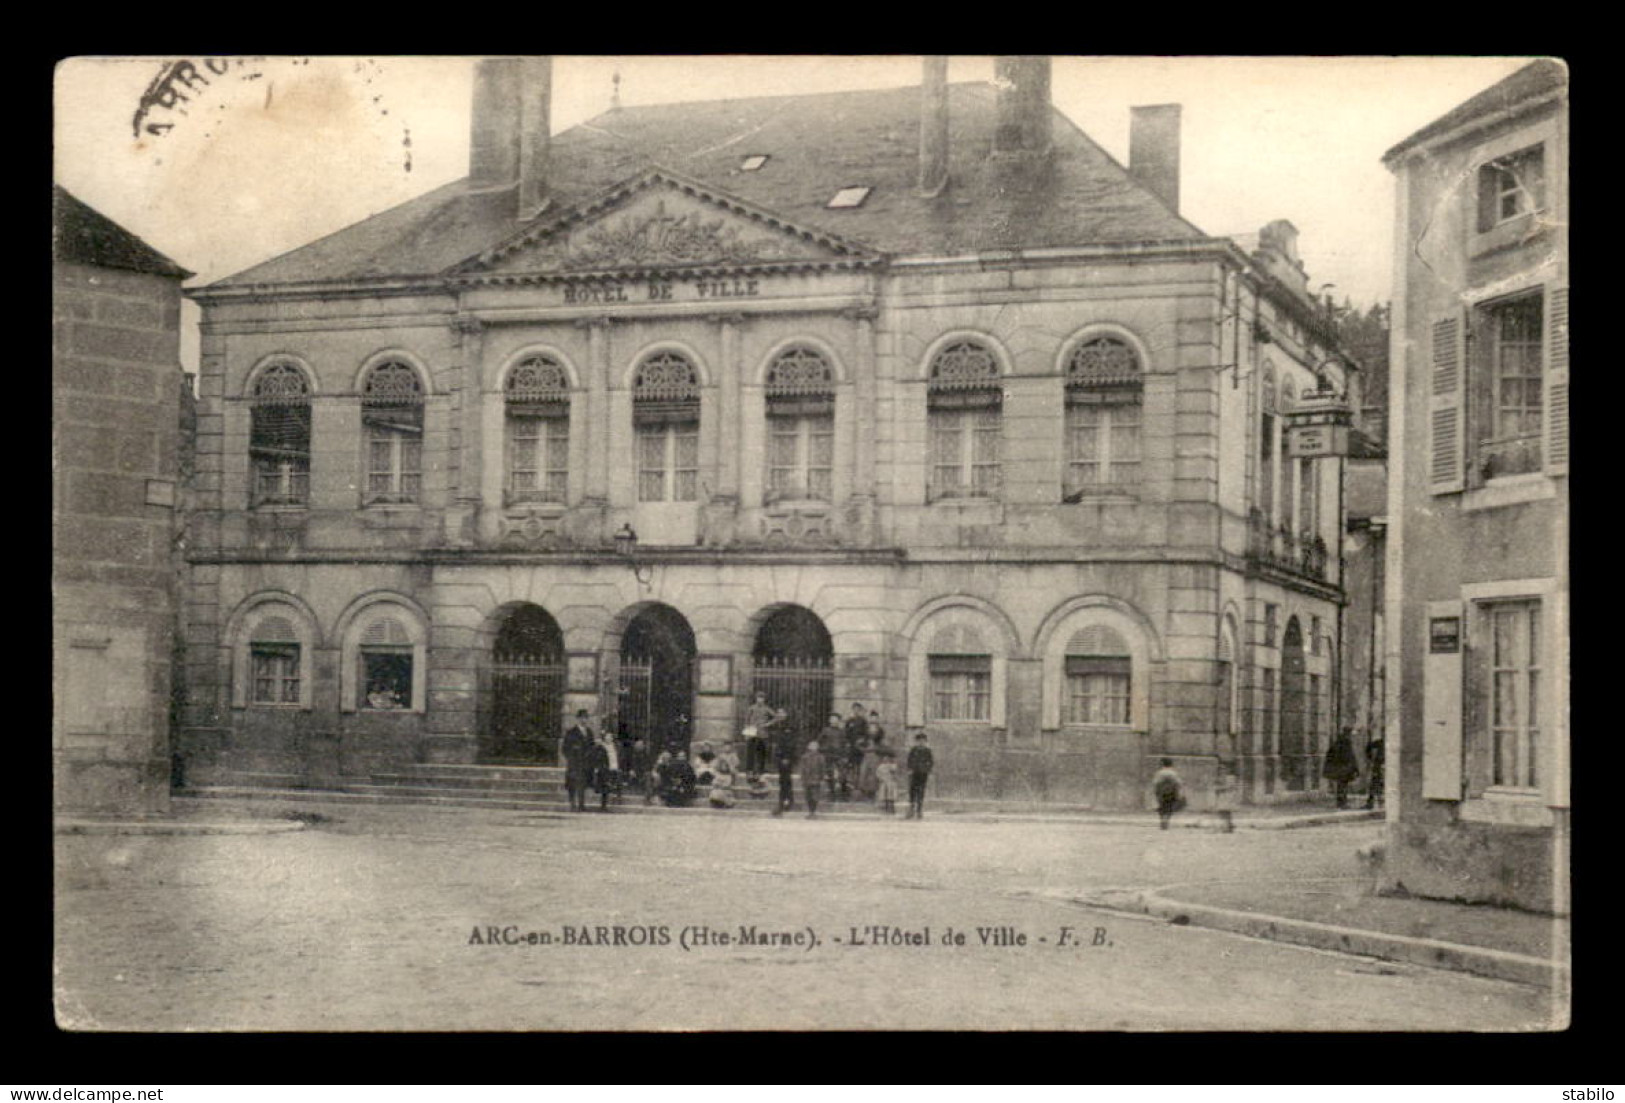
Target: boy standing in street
x,y
1169,790
812,776
920,761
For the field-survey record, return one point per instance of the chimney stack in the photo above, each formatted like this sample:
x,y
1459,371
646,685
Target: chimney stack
x,y
934,127
493,149
536,133
1023,119
1153,150
511,129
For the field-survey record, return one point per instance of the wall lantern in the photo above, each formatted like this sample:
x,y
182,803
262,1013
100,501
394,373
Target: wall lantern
x,y
626,546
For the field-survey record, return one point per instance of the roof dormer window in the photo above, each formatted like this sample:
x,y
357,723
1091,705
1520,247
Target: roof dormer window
x,y
850,197
753,162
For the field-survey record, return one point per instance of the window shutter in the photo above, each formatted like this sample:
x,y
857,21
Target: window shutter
x,y
1557,380
1447,407
1441,706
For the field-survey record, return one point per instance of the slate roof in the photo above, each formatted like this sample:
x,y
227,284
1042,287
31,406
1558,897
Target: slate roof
x,y
1535,79
82,235
815,144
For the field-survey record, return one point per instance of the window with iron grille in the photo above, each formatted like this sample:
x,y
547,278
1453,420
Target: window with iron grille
x,y
1104,391
800,426
961,687
1510,187
274,674
279,437
965,422
392,417
666,417
1099,673
537,400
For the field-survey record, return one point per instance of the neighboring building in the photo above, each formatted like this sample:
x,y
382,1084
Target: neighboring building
x,y
914,398
1478,716
1365,547
116,386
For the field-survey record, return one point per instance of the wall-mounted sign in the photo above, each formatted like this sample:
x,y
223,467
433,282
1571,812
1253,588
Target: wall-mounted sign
x,y
1308,441
1444,635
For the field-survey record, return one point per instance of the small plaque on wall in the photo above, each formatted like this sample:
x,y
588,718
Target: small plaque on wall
x,y
1444,635
716,675
581,672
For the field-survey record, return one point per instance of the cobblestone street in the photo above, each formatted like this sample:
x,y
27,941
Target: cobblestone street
x,y
376,918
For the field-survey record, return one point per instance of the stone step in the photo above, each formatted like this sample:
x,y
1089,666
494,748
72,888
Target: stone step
x,y
478,770
541,785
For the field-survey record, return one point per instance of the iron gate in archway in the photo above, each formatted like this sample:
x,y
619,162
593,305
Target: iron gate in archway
x,y
802,685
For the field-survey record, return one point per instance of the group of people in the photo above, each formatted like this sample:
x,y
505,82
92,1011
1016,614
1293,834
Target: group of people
x,y
849,758
1342,768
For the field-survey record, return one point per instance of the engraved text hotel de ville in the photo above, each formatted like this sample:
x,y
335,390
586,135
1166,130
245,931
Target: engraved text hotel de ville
x,y
752,557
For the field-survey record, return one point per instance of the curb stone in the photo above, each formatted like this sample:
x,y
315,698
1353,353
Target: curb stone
x,y
1479,960
161,827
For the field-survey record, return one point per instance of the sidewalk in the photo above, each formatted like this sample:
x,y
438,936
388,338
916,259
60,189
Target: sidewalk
x,y
1346,916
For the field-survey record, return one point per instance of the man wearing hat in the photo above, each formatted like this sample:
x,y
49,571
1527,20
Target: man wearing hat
x,y
578,743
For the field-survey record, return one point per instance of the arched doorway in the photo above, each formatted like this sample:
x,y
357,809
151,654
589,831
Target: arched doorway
x,y
656,688
793,667
1295,750
525,720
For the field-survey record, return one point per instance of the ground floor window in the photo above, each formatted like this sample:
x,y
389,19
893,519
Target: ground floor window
x,y
386,678
961,687
1514,660
1097,690
275,673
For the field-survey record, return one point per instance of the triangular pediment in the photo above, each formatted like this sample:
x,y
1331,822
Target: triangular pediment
x,y
660,221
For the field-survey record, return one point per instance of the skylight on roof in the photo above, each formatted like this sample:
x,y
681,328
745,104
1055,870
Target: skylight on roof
x,y
754,162
850,197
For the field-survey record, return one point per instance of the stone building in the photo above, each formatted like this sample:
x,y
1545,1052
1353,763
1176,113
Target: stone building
x,y
116,393
1478,718
914,398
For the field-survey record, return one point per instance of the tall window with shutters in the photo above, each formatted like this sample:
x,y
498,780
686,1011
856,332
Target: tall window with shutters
x,y
1099,675
1514,684
537,401
800,426
1498,394
965,422
392,417
1266,445
1104,395
279,436
666,417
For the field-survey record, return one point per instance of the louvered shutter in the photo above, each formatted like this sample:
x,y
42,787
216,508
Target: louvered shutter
x,y
1442,701
1447,406
1557,380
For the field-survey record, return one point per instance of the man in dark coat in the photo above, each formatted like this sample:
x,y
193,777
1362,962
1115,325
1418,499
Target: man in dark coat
x,y
1341,766
677,790
920,762
1375,756
578,744
851,755
786,749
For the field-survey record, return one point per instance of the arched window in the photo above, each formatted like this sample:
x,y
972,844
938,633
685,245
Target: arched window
x,y
384,660
666,417
279,436
272,644
800,426
960,666
392,417
537,399
1099,675
966,402
1104,389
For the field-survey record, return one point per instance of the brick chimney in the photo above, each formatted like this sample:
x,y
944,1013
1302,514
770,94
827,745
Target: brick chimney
x,y
536,133
1023,109
511,129
1153,150
493,149
934,127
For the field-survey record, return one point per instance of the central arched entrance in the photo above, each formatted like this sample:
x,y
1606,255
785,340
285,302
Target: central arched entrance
x,y
793,667
656,689
1295,752
526,716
